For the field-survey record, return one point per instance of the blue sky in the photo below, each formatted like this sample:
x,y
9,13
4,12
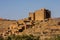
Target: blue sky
x,y
18,9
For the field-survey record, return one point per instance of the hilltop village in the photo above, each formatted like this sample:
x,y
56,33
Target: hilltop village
x,y
38,23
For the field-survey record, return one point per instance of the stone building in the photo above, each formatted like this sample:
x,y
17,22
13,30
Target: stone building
x,y
37,23
40,14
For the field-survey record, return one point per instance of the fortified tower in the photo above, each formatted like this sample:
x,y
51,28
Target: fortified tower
x,y
40,14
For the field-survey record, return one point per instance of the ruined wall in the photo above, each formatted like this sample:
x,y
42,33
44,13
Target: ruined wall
x,y
31,16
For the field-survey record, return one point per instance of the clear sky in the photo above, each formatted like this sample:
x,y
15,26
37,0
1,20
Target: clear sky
x,y
18,9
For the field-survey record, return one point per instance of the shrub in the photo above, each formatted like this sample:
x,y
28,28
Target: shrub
x,y
22,37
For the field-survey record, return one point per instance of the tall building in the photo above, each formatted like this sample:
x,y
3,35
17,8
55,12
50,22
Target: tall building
x,y
40,14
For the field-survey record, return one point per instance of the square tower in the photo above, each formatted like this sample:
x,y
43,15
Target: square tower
x,y
42,14
31,16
